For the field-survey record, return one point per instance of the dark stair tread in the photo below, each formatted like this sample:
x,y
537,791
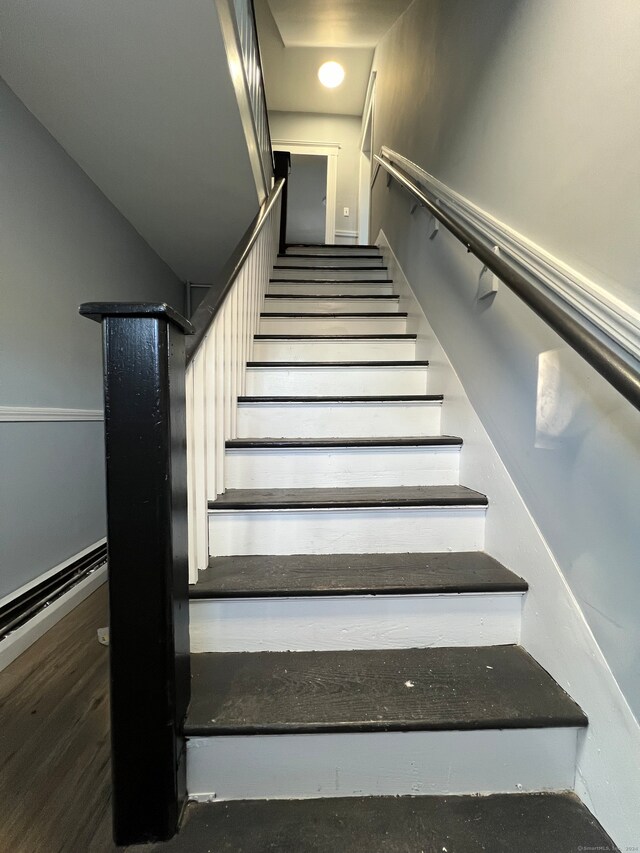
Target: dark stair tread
x,y
326,268
499,823
332,296
330,280
350,497
289,364
316,315
391,441
326,256
354,574
435,689
342,246
400,336
374,398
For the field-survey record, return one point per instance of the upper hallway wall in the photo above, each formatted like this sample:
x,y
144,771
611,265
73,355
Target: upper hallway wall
x,y
61,243
529,109
321,128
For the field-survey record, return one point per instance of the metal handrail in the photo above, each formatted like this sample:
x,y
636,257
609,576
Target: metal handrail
x,y
602,357
207,310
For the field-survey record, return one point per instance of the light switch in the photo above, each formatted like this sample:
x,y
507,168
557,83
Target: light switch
x,y
345,211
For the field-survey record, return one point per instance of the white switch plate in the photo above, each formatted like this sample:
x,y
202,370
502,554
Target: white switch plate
x,y
345,211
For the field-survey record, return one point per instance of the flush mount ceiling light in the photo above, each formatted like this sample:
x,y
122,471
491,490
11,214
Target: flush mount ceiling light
x,y
331,74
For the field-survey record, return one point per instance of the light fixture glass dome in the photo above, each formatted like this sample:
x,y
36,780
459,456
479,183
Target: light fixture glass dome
x,y
331,74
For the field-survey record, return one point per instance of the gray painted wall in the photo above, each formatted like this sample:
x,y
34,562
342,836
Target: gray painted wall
x,y
345,130
61,243
306,200
525,109
140,95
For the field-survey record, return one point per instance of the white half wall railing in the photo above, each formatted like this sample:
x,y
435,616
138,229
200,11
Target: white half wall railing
x,y
217,356
240,36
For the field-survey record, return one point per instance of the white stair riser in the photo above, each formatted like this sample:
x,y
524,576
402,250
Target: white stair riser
x,y
320,325
335,349
327,467
271,381
354,622
333,250
389,530
328,262
381,763
373,274
332,306
331,288
339,420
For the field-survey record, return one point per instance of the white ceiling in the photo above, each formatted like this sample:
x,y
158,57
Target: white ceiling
x,y
297,36
138,92
337,23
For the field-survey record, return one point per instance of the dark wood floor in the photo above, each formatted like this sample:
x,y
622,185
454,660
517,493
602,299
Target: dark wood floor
x,y
54,740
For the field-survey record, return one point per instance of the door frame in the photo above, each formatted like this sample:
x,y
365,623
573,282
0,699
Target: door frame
x,y
330,150
366,163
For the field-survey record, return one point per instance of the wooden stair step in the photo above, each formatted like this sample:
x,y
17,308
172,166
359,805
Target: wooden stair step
x,y
333,315
344,498
386,398
528,823
314,443
325,364
435,689
354,574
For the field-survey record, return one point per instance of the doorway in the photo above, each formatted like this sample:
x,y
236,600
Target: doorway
x,y
307,199
328,152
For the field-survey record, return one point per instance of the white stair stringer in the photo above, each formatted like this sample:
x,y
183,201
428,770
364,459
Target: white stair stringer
x,y
392,763
329,262
324,467
312,287
362,251
321,623
340,419
323,304
290,273
382,530
334,349
332,325
345,379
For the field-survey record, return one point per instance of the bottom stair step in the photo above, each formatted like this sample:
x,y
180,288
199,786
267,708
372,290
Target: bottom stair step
x,y
527,823
363,723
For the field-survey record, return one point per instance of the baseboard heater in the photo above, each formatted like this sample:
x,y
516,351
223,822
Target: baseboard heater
x,y
26,606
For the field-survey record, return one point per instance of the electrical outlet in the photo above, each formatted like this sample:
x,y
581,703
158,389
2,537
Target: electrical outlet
x,y
345,211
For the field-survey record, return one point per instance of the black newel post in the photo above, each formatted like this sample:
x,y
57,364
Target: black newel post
x,y
282,167
146,467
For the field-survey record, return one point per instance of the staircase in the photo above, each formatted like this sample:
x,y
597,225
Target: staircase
x,y
357,673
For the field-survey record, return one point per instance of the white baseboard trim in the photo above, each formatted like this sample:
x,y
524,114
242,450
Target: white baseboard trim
x,y
22,414
19,640
554,629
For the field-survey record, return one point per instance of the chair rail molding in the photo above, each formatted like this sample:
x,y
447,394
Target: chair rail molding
x,y
617,321
21,414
